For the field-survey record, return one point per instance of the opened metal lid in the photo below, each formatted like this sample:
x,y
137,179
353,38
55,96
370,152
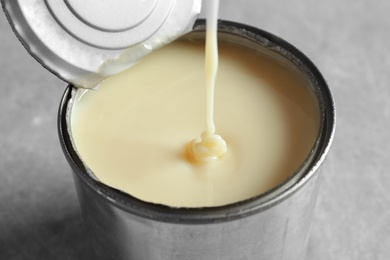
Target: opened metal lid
x,y
83,42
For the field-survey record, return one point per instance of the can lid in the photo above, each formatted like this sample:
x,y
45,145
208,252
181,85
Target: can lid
x,y
83,42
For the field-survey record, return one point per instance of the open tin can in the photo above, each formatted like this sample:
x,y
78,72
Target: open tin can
x,y
272,226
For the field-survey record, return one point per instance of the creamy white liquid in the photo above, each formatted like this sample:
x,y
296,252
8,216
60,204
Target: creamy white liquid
x,y
132,133
209,146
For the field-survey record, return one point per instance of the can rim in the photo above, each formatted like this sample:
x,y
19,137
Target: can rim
x,y
236,210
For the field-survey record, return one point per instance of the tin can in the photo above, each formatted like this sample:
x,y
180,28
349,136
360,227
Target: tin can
x,y
271,226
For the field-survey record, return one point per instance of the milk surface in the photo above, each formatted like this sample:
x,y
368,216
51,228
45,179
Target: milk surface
x,y
133,132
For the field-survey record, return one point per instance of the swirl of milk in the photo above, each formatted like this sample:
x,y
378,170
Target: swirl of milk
x,y
207,148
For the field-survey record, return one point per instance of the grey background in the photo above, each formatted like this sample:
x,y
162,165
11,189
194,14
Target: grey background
x,y
348,40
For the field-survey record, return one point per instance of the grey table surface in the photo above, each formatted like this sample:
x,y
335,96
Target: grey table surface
x,y
349,42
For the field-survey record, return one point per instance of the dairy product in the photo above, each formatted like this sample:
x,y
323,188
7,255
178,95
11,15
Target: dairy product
x,y
209,146
133,131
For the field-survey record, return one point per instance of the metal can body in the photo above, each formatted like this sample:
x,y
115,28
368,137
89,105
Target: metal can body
x,y
274,225
280,232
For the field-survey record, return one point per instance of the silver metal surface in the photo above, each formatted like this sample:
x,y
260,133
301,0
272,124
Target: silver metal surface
x,y
82,42
279,233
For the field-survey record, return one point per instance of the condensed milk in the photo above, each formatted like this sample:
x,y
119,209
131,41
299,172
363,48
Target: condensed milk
x,y
272,225
132,132
209,146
